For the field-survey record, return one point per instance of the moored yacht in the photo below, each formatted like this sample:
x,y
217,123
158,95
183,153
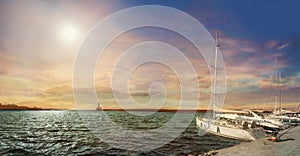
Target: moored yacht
x,y
279,112
287,116
255,118
226,127
233,129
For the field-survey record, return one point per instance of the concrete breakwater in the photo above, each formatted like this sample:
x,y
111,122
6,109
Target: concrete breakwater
x,y
288,145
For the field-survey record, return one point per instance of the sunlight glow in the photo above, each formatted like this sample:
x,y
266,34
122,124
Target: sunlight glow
x,y
69,33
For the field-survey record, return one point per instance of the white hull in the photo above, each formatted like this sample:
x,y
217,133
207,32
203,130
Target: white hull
x,y
230,132
286,116
260,120
288,119
267,122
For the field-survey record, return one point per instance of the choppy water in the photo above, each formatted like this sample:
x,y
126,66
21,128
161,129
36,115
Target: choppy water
x,y
64,133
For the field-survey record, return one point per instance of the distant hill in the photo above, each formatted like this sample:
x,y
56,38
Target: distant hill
x,y
16,107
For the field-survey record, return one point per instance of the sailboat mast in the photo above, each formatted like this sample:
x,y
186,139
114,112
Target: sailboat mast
x,y
276,83
280,94
215,75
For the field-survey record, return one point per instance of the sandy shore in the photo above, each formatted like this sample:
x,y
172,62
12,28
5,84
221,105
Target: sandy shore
x,y
289,145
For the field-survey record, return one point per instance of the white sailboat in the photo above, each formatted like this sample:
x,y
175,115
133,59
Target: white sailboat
x,y
233,129
255,118
226,127
279,112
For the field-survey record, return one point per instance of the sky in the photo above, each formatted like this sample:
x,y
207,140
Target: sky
x,y
39,41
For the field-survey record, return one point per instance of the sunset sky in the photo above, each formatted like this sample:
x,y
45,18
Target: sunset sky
x,y
39,41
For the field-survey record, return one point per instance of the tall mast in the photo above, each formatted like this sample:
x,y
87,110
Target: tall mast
x,y
215,75
280,94
276,83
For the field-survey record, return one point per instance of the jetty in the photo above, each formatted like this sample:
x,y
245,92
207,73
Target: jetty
x,y
288,144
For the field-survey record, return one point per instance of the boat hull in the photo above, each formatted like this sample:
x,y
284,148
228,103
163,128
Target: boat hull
x,y
230,132
269,124
288,119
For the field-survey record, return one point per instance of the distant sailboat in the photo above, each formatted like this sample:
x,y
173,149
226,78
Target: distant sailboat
x,y
99,108
227,127
279,112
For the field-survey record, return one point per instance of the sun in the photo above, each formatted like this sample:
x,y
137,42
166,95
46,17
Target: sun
x,y
69,33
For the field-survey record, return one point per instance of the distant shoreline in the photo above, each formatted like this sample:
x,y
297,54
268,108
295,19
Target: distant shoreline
x,y
20,108
10,107
118,110
160,110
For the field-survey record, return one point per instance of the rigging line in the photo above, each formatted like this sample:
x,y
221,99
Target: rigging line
x,y
271,82
286,132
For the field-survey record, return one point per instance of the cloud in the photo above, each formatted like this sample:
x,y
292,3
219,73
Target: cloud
x,y
276,45
36,65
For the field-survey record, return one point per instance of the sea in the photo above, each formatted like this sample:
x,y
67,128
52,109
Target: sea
x,y
66,133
